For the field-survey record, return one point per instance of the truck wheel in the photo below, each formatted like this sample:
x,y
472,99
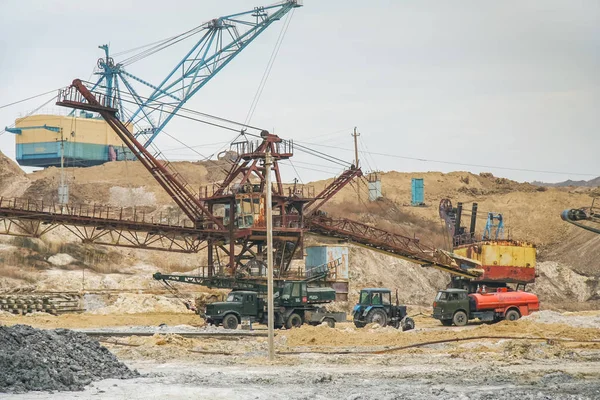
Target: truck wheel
x,y
446,322
230,322
359,324
377,316
460,318
294,321
512,315
407,324
330,322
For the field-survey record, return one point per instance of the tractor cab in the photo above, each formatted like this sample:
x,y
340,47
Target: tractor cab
x,y
377,297
375,306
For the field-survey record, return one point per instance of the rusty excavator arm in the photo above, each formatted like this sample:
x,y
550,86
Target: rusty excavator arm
x,y
393,244
79,97
330,190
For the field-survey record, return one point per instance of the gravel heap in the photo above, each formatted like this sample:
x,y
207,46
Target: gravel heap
x,y
48,360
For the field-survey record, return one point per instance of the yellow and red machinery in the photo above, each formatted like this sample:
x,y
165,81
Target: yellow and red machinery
x,y
502,261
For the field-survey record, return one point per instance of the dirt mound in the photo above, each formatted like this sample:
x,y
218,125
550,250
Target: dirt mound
x,y
579,250
8,168
122,183
530,213
13,180
559,286
583,320
33,359
128,303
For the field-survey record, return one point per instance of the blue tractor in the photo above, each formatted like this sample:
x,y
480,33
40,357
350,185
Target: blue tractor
x,y
375,306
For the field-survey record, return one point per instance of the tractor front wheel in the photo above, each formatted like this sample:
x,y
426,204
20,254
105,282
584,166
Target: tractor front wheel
x,y
377,316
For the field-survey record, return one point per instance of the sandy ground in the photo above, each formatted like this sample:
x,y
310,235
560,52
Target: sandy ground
x,y
398,377
176,367
73,321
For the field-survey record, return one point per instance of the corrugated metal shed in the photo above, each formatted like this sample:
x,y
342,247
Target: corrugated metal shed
x,y
320,255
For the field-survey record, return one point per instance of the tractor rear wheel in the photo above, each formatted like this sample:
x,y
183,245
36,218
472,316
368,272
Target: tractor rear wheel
x,y
512,315
377,316
294,321
230,322
446,322
460,318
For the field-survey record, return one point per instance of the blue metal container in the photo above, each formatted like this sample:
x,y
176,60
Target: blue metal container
x,y
418,192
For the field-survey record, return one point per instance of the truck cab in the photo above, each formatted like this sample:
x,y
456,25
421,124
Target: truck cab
x,y
451,303
239,303
375,306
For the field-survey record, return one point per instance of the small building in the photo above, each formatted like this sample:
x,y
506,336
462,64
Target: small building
x,y
417,192
88,140
374,182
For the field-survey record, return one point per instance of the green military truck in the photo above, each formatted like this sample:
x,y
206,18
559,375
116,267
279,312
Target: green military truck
x,y
295,303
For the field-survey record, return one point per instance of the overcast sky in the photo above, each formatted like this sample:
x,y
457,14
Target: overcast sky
x,y
513,84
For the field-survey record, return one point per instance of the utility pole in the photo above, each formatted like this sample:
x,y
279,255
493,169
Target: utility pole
x,y
356,135
269,216
63,191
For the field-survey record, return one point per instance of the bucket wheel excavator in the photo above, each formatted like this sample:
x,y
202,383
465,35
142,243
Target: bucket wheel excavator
x,y
587,218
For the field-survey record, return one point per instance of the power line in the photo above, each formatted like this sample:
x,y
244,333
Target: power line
x,y
267,72
133,101
29,98
457,163
321,155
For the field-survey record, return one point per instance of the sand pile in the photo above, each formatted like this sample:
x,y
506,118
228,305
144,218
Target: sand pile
x,y
350,336
33,359
584,320
128,303
559,285
13,181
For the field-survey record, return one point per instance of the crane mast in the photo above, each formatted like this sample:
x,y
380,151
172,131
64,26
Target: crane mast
x,y
221,39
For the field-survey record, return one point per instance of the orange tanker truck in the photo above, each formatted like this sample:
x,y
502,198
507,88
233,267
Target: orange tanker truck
x,y
455,306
